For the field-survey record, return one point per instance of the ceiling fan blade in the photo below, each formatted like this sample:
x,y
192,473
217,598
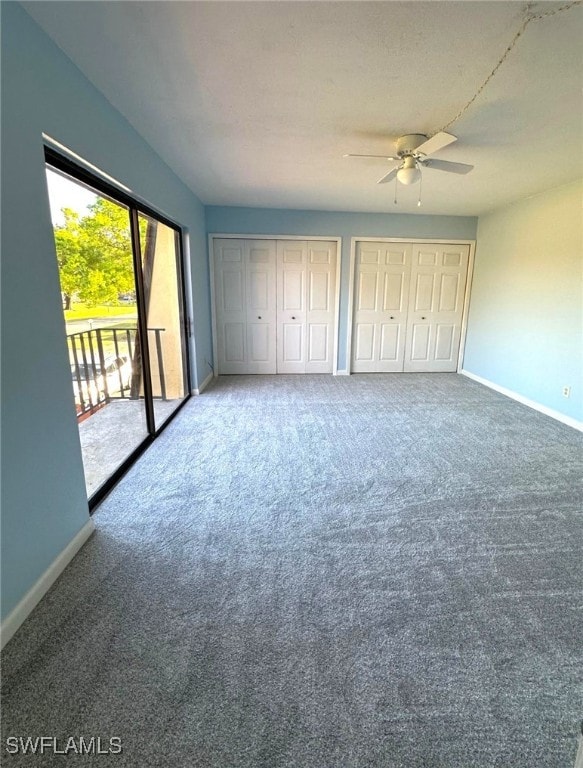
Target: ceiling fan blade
x,y
435,143
384,157
446,165
389,176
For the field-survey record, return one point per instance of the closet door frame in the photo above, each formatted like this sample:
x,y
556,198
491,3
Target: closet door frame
x,y
230,236
418,240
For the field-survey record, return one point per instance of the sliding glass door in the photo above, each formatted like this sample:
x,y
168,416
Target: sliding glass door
x,y
160,253
120,268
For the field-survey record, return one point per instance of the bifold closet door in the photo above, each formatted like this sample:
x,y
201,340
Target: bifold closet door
x,y
436,300
245,305
380,306
306,280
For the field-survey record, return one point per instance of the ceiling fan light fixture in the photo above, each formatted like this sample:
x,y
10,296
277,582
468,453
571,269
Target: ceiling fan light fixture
x,y
409,173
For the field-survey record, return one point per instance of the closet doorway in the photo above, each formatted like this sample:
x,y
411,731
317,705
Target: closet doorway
x,y
409,305
275,304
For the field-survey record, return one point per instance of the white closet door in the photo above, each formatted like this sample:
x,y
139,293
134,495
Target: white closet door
x,y
244,273
320,306
306,306
230,305
260,260
292,256
380,306
436,298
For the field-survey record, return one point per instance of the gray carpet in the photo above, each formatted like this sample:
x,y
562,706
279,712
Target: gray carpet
x,y
314,572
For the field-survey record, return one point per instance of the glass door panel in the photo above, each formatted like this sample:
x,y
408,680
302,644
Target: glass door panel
x,y
160,254
98,291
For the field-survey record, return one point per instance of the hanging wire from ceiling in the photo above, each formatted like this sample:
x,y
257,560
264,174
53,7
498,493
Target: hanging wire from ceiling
x,y
529,17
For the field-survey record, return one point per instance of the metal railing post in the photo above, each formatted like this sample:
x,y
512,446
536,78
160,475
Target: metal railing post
x,y
161,374
102,364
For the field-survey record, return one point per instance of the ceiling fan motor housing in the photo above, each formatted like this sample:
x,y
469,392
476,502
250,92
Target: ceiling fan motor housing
x,y
406,145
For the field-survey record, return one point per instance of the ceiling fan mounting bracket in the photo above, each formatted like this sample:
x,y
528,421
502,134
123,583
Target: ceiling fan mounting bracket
x,y
406,145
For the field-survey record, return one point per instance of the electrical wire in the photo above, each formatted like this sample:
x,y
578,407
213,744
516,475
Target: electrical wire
x,y
530,17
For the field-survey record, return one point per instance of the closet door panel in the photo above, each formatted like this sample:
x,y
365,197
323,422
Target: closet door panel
x,y
450,294
389,344
259,343
293,291
380,309
420,342
260,262
318,344
244,275
365,343
234,343
233,290
293,346
393,298
438,284
444,341
319,298
366,307
230,305
368,283
424,292
321,268
291,306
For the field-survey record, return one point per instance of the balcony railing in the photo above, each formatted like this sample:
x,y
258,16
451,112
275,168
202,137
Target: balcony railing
x,y
107,363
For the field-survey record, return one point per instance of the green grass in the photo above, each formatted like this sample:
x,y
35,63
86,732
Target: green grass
x,y
83,312
102,313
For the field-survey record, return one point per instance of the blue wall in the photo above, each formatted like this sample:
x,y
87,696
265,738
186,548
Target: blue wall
x,y
43,492
525,326
263,221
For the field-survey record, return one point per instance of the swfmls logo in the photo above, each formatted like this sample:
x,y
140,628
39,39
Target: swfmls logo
x,y
71,745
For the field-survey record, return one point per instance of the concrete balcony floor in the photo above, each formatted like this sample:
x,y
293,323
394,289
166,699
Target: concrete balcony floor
x,y
110,434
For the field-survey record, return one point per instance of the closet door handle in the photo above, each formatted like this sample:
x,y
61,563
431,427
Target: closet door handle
x,y
293,317
424,318
392,317
259,317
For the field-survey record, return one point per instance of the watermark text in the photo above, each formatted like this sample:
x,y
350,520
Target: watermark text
x,y
70,745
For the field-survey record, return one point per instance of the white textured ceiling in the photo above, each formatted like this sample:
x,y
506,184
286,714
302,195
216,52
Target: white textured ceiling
x,y
254,103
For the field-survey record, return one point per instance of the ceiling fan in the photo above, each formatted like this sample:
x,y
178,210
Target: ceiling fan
x,y
413,152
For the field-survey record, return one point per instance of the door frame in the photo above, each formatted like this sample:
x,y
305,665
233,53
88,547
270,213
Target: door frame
x,y
76,169
445,241
230,236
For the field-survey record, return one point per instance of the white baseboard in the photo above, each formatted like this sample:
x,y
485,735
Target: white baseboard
x,y
204,385
21,611
342,372
579,757
568,420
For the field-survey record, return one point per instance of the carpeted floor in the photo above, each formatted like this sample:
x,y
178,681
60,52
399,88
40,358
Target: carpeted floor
x,y
319,572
